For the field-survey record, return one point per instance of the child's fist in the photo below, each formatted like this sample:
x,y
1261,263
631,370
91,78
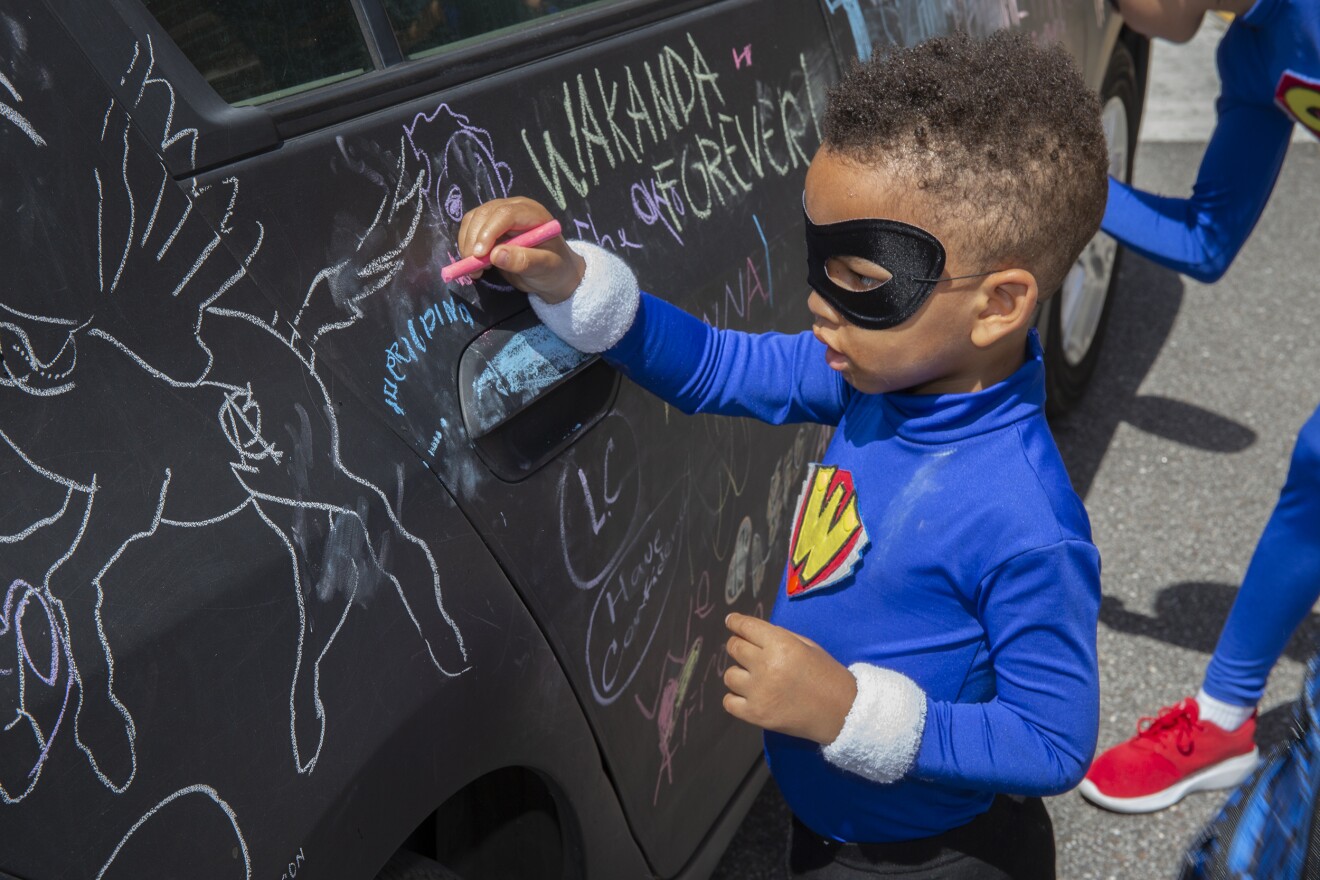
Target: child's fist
x,y
785,682
550,270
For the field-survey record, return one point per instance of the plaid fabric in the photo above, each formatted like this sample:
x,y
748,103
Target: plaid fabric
x,y
1268,828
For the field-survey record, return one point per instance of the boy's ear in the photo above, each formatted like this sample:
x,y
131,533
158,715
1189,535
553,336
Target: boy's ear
x,y
1007,303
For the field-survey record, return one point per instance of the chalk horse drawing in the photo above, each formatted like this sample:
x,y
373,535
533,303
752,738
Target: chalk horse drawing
x,y
117,430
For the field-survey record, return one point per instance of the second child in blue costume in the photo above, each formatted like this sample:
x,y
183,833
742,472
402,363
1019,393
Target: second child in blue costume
x,y
1269,66
929,669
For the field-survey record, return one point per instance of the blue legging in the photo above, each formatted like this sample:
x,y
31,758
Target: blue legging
x,y
1282,582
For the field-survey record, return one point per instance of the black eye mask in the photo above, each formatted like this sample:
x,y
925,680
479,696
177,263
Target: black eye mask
x,y
913,256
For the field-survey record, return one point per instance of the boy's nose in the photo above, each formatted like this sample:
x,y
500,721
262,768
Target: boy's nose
x,y
823,311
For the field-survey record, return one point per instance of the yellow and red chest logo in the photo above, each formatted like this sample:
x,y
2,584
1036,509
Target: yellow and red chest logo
x,y
1299,96
828,536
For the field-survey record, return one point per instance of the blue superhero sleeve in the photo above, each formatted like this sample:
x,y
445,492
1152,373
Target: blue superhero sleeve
x,y
1201,235
695,367
1038,734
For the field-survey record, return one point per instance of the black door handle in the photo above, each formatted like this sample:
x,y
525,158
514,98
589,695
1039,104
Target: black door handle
x,y
525,394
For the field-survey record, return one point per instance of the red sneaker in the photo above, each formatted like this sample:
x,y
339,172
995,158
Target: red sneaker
x,y
1171,756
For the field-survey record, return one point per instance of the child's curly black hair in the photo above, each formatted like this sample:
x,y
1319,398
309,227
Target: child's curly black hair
x,y
1000,134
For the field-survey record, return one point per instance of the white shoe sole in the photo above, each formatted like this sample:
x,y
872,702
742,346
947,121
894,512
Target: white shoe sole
x,y
1225,774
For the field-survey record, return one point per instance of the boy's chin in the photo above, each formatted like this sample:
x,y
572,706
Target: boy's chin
x,y
869,384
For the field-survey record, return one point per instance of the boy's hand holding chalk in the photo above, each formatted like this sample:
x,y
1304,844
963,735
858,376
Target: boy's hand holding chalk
x,y
535,259
530,238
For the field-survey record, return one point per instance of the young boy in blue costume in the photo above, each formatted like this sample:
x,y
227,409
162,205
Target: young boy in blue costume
x,y
1269,65
924,684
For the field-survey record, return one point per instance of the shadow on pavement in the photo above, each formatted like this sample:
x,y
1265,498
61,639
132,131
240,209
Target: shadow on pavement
x,y
1275,727
1146,303
1190,615
762,840
1188,424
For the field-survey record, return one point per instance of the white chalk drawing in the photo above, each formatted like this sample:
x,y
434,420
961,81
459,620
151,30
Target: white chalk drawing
x,y
226,851
27,622
351,281
271,451
8,112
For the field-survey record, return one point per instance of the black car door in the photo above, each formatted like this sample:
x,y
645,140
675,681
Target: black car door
x,y
677,136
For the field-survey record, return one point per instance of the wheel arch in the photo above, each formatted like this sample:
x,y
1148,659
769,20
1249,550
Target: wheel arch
x,y
514,821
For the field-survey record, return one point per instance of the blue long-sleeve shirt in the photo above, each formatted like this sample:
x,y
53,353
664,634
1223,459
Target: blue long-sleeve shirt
x,y
943,541
1269,67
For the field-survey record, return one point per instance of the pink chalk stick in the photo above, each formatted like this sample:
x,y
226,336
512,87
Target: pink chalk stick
x,y
530,238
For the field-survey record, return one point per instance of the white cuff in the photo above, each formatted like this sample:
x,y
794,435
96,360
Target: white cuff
x,y
602,308
882,731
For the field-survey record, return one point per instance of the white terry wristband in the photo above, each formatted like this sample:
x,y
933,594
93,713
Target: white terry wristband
x,y
602,308
882,731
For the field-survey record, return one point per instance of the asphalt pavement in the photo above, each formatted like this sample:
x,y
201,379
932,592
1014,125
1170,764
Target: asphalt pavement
x,y
1179,450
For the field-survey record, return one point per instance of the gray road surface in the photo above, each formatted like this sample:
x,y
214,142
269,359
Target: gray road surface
x,y
1179,451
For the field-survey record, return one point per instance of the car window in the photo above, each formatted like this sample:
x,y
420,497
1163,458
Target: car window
x,y
424,27
252,51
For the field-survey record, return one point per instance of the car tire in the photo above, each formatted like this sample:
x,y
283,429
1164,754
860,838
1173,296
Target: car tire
x,y
408,865
1075,318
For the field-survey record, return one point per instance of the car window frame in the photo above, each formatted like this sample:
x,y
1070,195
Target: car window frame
x,y
409,78
230,132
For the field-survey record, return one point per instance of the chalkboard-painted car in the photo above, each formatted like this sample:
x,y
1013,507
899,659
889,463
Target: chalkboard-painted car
x,y
313,565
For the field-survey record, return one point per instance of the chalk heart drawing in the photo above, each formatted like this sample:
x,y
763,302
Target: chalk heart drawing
x,y
270,453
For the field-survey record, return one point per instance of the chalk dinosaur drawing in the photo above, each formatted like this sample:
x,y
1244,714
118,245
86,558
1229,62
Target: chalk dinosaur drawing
x,y
121,429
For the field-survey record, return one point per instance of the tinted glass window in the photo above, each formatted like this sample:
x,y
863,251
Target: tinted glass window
x,y
256,50
426,25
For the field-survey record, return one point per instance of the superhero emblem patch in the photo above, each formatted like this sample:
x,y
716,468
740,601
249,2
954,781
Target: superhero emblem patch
x,y
828,536
1299,96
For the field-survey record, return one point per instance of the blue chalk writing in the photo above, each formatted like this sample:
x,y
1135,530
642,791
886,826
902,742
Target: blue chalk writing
x,y
532,361
412,343
856,22
769,271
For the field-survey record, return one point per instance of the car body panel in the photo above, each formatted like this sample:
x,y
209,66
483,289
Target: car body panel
x,y
241,633
628,552
298,540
